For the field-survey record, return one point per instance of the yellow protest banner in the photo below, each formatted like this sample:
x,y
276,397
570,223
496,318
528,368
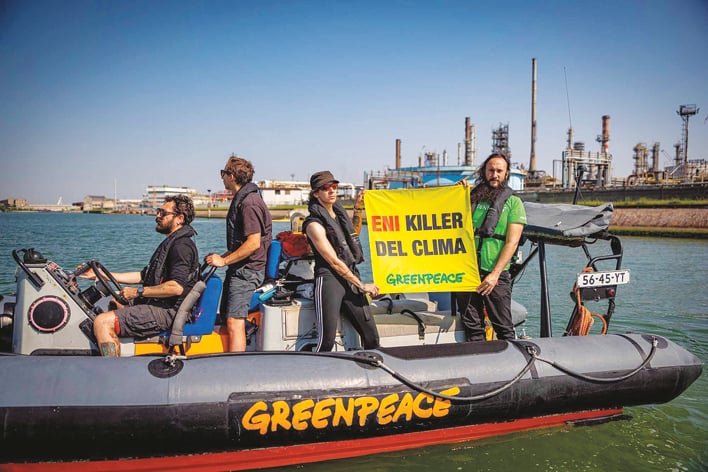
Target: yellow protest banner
x,y
421,240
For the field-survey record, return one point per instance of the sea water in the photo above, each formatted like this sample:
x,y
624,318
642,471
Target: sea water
x,y
666,296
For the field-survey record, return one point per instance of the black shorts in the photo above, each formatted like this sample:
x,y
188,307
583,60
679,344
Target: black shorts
x,y
141,321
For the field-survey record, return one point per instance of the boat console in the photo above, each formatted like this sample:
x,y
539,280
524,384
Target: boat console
x,y
53,307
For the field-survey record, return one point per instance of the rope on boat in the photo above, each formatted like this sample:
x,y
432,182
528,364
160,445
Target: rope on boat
x,y
583,320
533,357
589,378
378,363
374,361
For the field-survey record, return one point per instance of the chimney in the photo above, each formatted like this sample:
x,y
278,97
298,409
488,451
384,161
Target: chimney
x,y
468,142
398,154
532,161
656,148
605,133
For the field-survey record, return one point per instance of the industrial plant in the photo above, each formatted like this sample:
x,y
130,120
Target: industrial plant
x,y
577,167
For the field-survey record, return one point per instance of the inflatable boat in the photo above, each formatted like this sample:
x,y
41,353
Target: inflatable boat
x,y
178,401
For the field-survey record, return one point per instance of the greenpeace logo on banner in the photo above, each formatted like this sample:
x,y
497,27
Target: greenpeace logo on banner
x,y
421,240
425,279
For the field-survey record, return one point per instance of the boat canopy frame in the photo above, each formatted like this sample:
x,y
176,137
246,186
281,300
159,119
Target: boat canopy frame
x,y
574,226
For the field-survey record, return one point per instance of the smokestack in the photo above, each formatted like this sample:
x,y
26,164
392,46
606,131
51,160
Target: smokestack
x,y
398,154
655,157
473,146
468,142
532,161
605,133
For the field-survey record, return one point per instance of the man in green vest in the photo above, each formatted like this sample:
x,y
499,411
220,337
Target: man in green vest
x,y
498,218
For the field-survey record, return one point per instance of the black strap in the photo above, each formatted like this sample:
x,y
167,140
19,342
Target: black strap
x,y
233,237
486,230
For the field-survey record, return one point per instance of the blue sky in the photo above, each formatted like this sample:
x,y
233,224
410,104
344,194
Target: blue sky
x,y
162,92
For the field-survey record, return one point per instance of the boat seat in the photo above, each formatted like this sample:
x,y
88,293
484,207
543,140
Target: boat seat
x,y
203,317
400,324
267,289
204,313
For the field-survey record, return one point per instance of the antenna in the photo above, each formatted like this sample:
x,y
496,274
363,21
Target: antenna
x,y
567,97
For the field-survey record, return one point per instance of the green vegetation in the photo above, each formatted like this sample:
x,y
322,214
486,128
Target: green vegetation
x,y
651,203
688,233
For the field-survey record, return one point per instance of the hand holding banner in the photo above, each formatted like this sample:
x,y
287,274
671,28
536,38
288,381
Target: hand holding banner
x,y
421,240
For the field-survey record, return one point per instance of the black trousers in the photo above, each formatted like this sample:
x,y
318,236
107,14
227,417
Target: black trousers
x,y
498,304
334,296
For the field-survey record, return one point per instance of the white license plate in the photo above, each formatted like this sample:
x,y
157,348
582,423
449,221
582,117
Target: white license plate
x,y
602,279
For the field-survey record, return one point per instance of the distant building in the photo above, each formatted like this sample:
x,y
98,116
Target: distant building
x,y
292,193
154,195
14,202
94,203
128,204
284,193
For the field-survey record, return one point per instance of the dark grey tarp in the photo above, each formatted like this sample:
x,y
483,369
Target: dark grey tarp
x,y
560,220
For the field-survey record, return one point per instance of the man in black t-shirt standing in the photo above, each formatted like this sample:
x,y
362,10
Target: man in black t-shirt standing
x,y
170,275
248,237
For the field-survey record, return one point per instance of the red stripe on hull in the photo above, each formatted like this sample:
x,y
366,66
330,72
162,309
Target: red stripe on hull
x,y
316,452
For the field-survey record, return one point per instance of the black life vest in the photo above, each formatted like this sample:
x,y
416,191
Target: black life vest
x,y
153,274
340,232
234,219
156,266
491,219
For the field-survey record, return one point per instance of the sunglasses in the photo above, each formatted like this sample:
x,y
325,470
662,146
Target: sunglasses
x,y
161,212
326,187
225,172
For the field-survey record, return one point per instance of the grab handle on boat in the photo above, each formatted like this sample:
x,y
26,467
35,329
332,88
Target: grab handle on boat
x,y
33,278
183,313
418,319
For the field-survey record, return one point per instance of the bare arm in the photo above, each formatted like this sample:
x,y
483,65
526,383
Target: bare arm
x,y
358,209
317,235
164,290
121,277
249,246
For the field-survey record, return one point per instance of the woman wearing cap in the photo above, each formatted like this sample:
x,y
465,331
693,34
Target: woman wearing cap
x,y
338,288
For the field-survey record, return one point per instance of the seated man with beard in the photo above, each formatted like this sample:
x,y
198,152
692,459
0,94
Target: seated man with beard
x,y
169,276
498,218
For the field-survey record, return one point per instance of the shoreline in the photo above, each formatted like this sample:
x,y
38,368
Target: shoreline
x,y
662,222
672,222
665,222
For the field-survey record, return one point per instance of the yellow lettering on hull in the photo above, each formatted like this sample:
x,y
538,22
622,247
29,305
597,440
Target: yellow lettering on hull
x,y
334,412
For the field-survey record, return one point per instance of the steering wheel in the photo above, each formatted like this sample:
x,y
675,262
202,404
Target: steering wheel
x,y
107,281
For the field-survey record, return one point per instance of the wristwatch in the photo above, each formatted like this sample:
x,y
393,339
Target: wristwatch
x,y
140,291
